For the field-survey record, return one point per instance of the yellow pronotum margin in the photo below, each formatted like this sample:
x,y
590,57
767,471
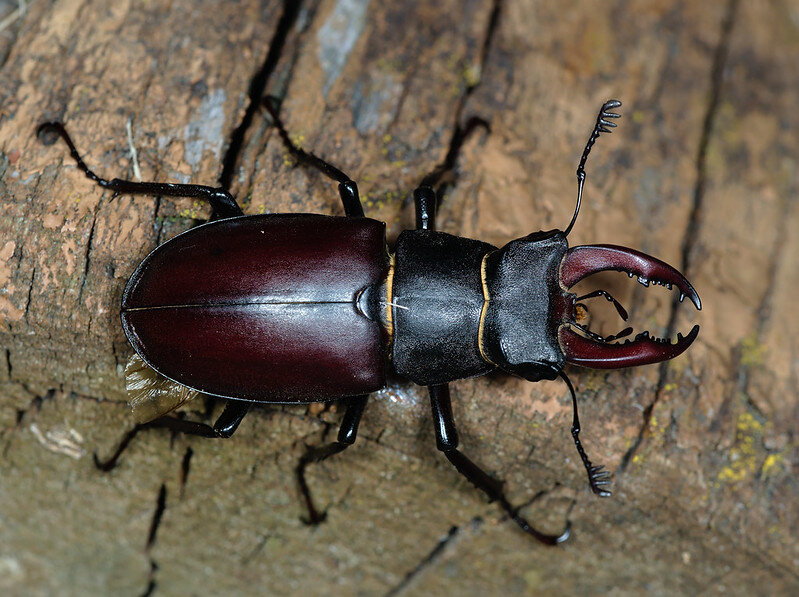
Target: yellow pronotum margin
x,y
390,296
483,310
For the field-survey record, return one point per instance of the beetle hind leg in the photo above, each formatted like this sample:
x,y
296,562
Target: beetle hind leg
x,y
346,437
224,427
447,442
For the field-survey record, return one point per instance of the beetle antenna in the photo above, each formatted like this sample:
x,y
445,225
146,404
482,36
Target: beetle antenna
x,y
603,125
597,476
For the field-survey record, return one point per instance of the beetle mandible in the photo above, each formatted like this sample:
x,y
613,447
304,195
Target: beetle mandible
x,y
301,308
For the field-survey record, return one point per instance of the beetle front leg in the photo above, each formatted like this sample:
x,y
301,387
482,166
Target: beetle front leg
x,y
224,427
447,442
222,203
346,437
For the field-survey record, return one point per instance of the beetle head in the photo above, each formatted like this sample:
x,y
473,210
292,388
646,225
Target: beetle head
x,y
529,326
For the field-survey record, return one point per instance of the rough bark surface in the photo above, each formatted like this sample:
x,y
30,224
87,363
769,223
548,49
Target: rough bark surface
x,y
702,172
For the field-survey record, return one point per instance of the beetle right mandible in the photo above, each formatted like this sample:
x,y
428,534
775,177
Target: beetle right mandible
x,y
300,308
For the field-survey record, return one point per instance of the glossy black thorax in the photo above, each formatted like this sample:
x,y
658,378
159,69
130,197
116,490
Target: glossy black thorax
x,y
461,307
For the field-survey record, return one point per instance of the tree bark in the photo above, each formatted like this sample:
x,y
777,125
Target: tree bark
x,y
700,173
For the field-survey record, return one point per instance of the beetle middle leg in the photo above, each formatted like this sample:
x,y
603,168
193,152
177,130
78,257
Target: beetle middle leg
x,y
598,477
447,442
222,203
347,189
346,437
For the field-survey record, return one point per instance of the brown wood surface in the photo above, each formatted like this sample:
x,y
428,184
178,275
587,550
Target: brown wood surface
x,y
702,173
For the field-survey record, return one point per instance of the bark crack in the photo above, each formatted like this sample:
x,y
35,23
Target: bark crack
x,y
185,467
86,256
443,177
30,293
430,559
695,219
158,514
291,9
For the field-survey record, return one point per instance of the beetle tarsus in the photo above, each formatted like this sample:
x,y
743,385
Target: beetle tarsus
x,y
347,434
597,476
493,489
110,463
224,427
348,190
222,202
315,454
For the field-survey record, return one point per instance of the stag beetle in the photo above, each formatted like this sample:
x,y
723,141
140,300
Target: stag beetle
x,y
301,308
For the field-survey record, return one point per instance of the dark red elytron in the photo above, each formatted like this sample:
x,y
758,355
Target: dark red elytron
x,y
309,308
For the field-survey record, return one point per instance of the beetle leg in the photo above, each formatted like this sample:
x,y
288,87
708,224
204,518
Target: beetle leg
x,y
447,442
223,428
347,189
346,437
222,202
597,476
425,200
229,420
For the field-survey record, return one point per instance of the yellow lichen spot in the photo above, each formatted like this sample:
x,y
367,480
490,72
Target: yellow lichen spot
x,y
669,387
748,424
638,116
297,140
773,464
386,138
752,352
593,381
743,456
471,75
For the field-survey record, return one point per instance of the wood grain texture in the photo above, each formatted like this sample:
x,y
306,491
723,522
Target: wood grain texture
x,y
702,173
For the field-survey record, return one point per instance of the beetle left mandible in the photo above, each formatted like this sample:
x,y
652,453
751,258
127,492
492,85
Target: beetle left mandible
x,y
300,308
